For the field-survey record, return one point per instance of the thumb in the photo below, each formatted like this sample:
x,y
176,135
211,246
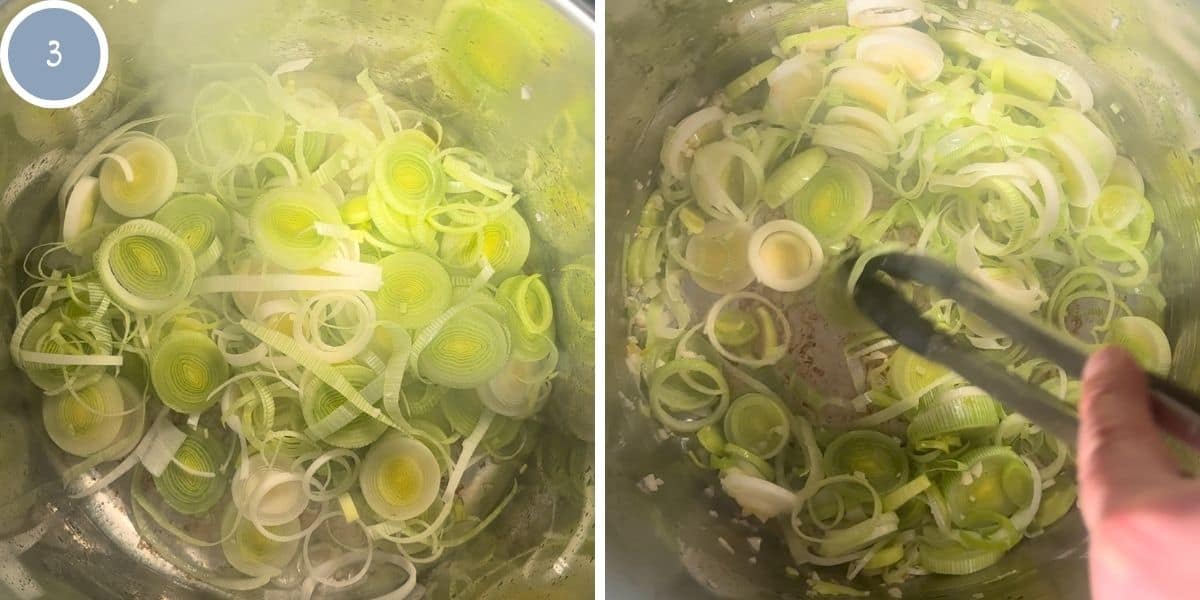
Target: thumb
x,y
1120,449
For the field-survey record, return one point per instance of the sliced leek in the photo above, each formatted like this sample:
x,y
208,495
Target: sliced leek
x,y
138,177
187,367
416,289
785,256
145,267
326,302
400,477
285,227
899,130
466,351
193,482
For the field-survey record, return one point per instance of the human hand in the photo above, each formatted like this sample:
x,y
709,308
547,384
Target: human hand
x,y
1142,514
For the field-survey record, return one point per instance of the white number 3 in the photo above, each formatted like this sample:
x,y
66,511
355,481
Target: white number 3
x,y
56,56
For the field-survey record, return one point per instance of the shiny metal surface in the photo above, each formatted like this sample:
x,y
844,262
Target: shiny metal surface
x,y
663,58
90,548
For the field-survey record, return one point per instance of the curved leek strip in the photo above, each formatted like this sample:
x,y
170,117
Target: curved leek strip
x,y
186,368
750,79
283,225
883,13
138,177
85,421
1125,173
1143,339
790,177
876,456
266,494
318,401
80,211
469,349
775,331
727,180
144,267
529,300
193,483
408,174
785,256
910,50
759,423
400,477
684,138
715,257
252,553
835,202
1084,135
691,388
348,318
201,222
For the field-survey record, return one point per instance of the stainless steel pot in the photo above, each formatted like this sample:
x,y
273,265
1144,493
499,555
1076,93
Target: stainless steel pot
x,y
663,56
90,548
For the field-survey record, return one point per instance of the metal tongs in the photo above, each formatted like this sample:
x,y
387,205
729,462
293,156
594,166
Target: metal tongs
x,y
1176,410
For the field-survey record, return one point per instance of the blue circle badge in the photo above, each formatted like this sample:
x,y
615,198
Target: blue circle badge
x,y
54,54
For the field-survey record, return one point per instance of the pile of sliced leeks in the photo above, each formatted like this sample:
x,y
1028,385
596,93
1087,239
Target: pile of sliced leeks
x,y
291,318
895,131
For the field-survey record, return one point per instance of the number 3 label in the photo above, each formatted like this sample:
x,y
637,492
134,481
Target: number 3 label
x,y
33,53
55,56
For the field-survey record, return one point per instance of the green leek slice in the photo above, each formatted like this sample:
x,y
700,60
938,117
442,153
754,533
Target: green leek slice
x,y
318,400
468,350
400,477
283,225
416,289
186,368
759,423
192,483
835,202
1144,339
85,421
145,267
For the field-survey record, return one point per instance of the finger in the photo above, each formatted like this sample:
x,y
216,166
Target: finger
x,y
1120,449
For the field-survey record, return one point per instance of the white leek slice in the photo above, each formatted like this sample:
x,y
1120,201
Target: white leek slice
x,y
138,177
252,553
910,50
785,255
718,255
794,86
883,13
268,494
870,88
81,208
756,496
